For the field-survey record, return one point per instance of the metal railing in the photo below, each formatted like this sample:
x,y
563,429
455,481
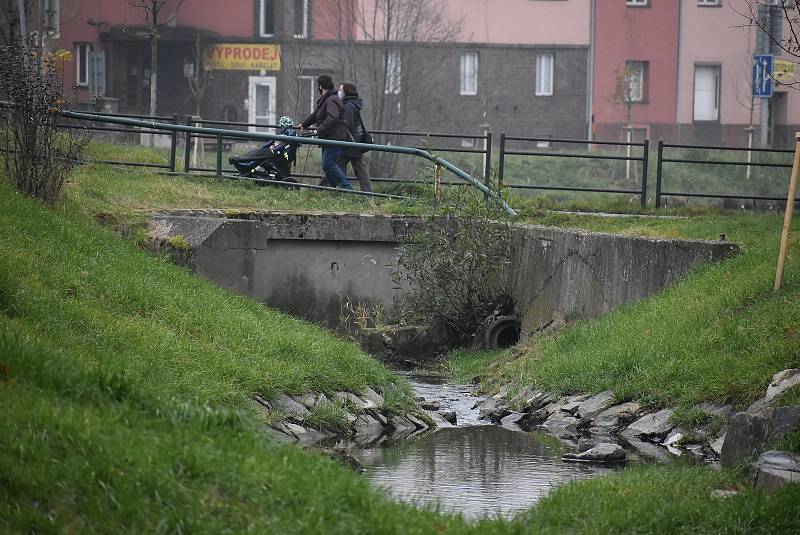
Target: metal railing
x,y
749,163
483,139
644,159
220,134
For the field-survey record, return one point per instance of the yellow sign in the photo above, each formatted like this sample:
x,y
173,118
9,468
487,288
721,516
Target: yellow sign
x,y
242,57
783,70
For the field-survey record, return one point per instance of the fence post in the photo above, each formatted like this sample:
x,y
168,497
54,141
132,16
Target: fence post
x,y
173,146
487,160
501,162
219,154
645,166
187,149
659,170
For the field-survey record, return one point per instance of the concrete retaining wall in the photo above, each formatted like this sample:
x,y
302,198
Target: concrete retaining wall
x,y
311,265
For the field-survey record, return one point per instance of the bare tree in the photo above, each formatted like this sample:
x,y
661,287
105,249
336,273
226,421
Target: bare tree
x,y
295,54
627,90
152,10
771,18
383,46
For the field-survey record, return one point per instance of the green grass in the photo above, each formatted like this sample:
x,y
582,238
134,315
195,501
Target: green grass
x,y
125,384
718,335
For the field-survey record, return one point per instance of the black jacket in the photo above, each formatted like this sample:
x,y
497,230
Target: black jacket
x,y
352,117
328,117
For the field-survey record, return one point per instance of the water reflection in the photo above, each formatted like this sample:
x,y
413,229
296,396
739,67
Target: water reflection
x,y
477,470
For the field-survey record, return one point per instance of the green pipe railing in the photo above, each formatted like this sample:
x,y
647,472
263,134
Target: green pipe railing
x,y
263,136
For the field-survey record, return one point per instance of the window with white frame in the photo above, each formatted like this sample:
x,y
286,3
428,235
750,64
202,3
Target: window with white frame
x,y
301,18
544,74
52,17
637,3
469,73
82,51
706,92
393,63
635,81
267,18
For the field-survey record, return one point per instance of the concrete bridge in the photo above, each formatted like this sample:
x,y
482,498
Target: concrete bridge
x,y
310,265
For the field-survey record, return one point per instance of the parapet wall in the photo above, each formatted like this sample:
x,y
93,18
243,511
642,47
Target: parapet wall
x,y
311,265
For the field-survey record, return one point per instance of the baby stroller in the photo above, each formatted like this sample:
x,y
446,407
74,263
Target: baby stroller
x,y
272,161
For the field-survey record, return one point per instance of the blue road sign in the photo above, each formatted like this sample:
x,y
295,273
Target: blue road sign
x,y
762,75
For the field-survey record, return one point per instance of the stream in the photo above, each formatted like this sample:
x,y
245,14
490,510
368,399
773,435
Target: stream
x,y
477,469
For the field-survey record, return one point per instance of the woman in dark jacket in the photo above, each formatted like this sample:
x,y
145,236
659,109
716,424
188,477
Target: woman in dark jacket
x,y
327,115
352,118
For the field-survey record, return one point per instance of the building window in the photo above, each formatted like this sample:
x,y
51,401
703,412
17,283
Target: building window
x,y
635,81
82,51
637,3
97,73
393,65
544,74
52,17
307,98
708,3
469,73
706,92
267,18
301,18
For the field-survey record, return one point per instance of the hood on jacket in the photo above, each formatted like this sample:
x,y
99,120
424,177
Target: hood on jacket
x,y
357,101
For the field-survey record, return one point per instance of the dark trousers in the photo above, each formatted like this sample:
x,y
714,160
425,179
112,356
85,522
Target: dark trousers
x,y
334,176
359,168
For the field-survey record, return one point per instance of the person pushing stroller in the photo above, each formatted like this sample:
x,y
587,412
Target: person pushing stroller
x,y
327,115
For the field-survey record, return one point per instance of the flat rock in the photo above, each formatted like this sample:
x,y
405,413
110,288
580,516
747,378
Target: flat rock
x,y
532,399
348,399
279,435
401,424
750,434
432,405
419,423
562,424
437,418
781,382
289,406
600,453
450,416
493,409
531,420
617,416
367,429
655,425
308,400
775,469
510,421
716,446
371,395
380,417
595,405
747,435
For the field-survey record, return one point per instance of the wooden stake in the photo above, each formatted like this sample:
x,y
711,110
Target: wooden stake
x,y
787,219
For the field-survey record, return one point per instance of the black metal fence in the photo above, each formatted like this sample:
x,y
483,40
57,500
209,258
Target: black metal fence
x,y
643,158
483,146
661,160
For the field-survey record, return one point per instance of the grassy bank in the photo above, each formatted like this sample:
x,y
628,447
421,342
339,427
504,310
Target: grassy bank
x,y
125,384
718,335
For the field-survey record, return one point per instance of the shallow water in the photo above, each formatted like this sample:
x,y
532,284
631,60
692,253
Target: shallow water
x,y
475,469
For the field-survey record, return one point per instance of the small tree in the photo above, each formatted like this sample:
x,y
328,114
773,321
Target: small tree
x,y
626,90
455,265
770,18
39,151
152,13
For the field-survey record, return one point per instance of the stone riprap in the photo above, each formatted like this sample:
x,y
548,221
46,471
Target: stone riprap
x,y
311,265
364,413
598,419
774,470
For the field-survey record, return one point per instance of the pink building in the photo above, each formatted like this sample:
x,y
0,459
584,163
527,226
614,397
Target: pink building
x,y
686,67
635,52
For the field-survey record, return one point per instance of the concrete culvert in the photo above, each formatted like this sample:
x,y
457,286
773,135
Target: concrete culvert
x,y
503,332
